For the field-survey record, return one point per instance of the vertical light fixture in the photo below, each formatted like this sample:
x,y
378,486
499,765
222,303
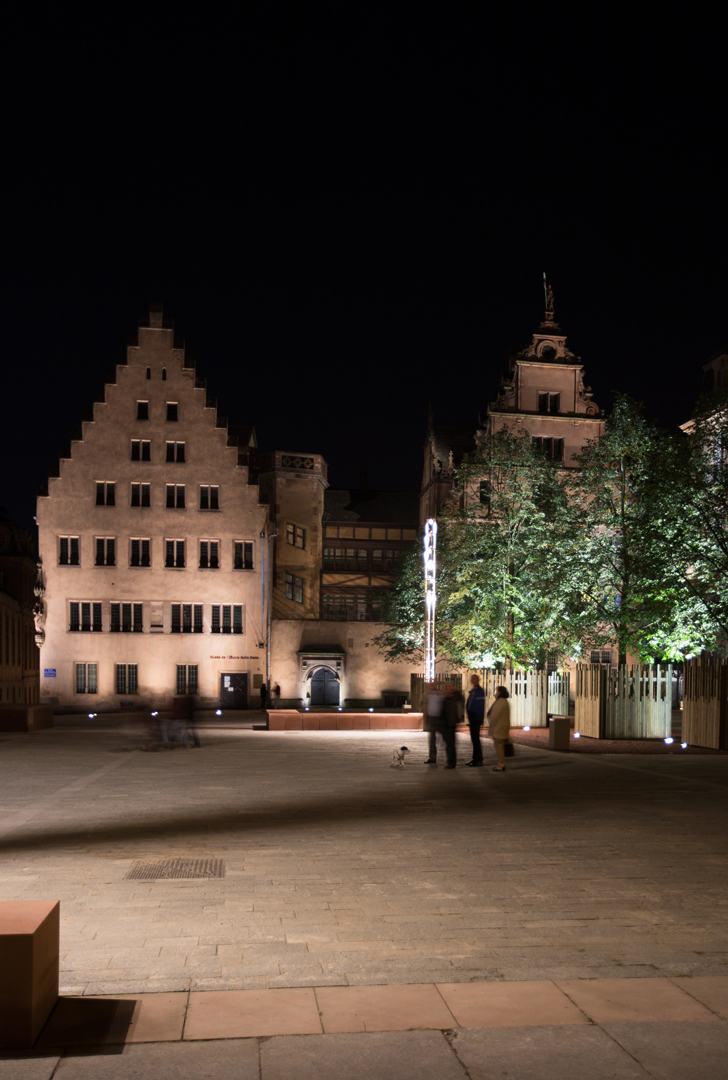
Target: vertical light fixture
x,y
429,556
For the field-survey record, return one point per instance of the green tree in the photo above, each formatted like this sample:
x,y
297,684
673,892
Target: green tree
x,y
501,594
625,541
699,487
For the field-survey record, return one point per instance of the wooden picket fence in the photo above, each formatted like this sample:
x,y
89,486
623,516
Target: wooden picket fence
x,y
629,703
705,703
533,694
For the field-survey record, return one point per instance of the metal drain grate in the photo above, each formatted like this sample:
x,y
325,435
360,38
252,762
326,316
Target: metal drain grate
x,y
176,868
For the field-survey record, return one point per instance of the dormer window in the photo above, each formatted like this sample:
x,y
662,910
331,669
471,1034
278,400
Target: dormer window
x,y
548,352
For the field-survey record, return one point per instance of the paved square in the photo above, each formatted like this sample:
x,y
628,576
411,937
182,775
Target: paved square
x,y
342,871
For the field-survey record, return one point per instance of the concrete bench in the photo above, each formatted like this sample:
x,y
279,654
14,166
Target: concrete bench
x,y
293,720
29,955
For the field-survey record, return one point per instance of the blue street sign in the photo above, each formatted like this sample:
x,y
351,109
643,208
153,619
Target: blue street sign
x,y
49,673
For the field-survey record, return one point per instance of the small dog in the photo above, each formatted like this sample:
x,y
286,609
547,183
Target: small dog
x,y
398,757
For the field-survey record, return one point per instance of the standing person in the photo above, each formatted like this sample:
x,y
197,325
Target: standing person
x,y
475,711
434,703
189,731
263,696
499,719
443,714
276,699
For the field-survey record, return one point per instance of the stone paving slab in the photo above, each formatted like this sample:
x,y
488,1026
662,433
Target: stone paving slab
x,y
340,870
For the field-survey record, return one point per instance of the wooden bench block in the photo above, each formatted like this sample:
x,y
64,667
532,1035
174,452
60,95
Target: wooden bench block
x,y
29,955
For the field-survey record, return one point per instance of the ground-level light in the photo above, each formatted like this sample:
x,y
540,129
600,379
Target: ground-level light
x,y
669,741
577,734
155,714
683,745
218,712
527,727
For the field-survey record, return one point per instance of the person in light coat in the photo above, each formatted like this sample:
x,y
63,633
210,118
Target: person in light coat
x,y
499,720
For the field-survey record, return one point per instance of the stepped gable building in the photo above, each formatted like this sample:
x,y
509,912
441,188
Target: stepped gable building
x,y
20,602
544,393
150,539
330,659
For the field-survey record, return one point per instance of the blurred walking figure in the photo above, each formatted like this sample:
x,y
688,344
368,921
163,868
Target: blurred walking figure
x,y
499,719
442,716
276,698
475,711
263,696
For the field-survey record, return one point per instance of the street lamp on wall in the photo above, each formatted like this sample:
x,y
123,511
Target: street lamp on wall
x,y
429,556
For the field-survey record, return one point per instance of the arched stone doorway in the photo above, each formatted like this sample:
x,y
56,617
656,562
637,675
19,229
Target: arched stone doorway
x,y
324,687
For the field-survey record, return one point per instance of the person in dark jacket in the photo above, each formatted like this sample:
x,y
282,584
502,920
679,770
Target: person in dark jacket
x,y
475,711
264,696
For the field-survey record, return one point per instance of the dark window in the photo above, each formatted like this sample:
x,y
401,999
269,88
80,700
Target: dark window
x,y
141,494
558,449
175,451
86,678
243,555
294,588
485,494
175,496
237,618
209,497
198,618
149,373
141,450
86,617
187,618
68,551
174,554
543,403
295,535
172,411
186,678
601,656
142,410
140,552
554,403
176,618
215,621
126,678
75,616
105,551
209,555
164,374
105,493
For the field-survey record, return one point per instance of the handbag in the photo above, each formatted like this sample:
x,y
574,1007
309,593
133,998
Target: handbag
x,y
509,749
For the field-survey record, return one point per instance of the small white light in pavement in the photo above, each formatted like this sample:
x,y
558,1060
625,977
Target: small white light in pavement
x,y
527,727
90,716
577,734
371,710
155,714
669,741
307,709
340,709
218,712
684,745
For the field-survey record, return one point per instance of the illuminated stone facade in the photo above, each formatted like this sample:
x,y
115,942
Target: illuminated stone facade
x,y
150,538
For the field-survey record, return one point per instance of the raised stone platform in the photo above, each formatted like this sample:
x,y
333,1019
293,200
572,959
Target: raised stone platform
x,y
293,720
25,717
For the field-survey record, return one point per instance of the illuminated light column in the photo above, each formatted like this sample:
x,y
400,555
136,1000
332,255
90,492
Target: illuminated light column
x,y
430,560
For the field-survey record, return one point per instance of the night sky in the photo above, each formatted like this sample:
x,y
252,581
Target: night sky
x,y
347,210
